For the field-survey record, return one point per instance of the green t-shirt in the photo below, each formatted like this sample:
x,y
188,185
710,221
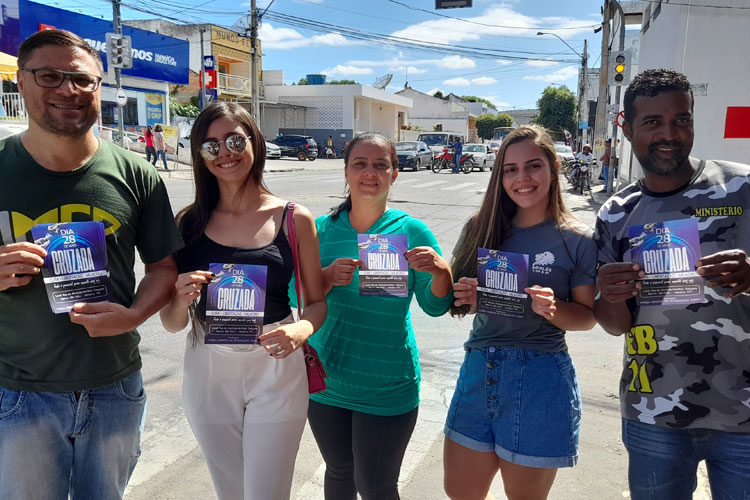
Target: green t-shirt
x,y
41,351
367,344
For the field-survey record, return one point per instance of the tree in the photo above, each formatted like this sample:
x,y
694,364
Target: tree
x,y
473,98
438,94
557,111
179,109
302,81
342,82
487,123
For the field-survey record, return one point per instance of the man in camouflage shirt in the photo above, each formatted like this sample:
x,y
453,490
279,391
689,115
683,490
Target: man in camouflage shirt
x,y
685,387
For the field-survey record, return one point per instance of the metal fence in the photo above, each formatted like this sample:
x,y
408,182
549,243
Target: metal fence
x,y
12,107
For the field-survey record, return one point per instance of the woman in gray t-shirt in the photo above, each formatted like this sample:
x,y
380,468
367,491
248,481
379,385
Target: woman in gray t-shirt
x,y
517,407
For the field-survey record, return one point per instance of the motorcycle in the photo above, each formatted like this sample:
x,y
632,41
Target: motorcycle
x,y
580,175
446,159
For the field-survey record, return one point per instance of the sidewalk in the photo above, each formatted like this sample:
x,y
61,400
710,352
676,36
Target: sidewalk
x,y
185,171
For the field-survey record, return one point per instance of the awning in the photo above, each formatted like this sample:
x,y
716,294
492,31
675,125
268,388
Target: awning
x,y
8,65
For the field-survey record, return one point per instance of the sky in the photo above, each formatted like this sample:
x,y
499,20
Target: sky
x,y
490,50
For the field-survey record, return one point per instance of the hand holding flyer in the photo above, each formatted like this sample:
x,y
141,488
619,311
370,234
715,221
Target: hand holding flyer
x,y
667,252
385,270
235,303
503,276
75,268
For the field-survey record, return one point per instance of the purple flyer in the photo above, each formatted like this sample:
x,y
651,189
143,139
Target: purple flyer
x,y
235,303
667,253
502,276
75,269
385,270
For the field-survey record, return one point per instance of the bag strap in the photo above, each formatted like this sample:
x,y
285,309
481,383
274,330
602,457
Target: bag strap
x,y
295,257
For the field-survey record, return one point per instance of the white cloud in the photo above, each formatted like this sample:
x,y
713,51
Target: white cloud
x,y
541,63
504,62
412,70
457,82
499,19
347,71
483,80
430,92
566,73
456,62
287,38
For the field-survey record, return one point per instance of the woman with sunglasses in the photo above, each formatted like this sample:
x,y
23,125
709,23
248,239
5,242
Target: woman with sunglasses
x,y
364,420
247,409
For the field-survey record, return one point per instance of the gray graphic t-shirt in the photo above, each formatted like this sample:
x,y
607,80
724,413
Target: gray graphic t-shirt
x,y
554,263
687,366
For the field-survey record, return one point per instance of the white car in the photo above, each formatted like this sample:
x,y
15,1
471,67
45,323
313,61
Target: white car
x,y
484,157
565,153
272,151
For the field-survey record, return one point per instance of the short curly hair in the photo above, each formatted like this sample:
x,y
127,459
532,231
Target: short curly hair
x,y
652,82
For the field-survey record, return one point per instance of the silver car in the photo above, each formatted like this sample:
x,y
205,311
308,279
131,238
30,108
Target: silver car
x,y
483,155
272,151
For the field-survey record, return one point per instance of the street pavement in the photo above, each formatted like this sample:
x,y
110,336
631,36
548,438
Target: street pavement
x,y
171,465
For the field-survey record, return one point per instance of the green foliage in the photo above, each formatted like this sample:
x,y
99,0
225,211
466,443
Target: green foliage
x,y
438,94
179,109
302,81
342,82
557,111
487,123
473,98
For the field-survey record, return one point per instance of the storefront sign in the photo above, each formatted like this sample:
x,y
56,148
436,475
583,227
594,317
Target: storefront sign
x,y
231,39
155,56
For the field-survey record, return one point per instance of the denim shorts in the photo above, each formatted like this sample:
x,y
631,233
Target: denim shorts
x,y
524,405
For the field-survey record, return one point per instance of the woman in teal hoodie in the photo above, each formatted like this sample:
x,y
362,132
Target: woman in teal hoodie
x,y
364,420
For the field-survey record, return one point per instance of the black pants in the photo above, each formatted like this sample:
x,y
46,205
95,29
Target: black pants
x,y
151,151
363,452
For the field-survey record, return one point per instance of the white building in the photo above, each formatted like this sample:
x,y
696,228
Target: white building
x,y
341,111
708,42
430,113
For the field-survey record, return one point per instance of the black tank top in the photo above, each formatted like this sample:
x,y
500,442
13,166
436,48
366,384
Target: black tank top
x,y
276,256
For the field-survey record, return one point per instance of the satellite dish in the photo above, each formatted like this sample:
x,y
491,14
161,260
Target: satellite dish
x,y
383,81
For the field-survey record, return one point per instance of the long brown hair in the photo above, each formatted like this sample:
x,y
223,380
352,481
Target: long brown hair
x,y
193,219
491,225
366,137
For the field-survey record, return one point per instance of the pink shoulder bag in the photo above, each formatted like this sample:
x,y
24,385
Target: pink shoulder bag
x,y
316,374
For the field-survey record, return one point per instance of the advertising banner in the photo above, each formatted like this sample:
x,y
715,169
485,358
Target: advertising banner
x,y
155,56
154,108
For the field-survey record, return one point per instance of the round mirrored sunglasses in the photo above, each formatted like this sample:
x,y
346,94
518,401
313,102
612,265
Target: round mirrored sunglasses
x,y
234,143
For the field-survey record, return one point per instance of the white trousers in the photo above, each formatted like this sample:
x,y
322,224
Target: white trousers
x,y
247,411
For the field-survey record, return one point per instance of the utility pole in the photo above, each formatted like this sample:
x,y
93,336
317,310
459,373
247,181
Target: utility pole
x,y
613,147
583,102
117,28
601,107
254,99
202,71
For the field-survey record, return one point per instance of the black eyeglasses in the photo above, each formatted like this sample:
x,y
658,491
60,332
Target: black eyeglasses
x,y
53,78
235,144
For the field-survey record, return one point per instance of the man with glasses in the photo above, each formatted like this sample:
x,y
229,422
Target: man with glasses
x,y
71,395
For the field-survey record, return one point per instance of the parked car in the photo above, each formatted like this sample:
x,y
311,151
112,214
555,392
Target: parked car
x,y
565,153
272,151
484,157
495,146
301,147
413,154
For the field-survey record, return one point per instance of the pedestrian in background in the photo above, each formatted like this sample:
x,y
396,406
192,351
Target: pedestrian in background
x,y
605,158
364,420
72,402
247,409
161,146
517,407
684,387
148,136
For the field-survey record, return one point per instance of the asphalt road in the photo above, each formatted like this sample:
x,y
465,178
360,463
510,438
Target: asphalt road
x,y
171,465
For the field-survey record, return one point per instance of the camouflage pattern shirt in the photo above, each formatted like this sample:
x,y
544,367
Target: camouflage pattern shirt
x,y
687,366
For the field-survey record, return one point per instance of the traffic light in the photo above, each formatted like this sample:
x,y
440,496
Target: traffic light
x,y
619,67
119,51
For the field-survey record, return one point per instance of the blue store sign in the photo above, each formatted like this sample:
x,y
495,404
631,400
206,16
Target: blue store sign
x,y
155,56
